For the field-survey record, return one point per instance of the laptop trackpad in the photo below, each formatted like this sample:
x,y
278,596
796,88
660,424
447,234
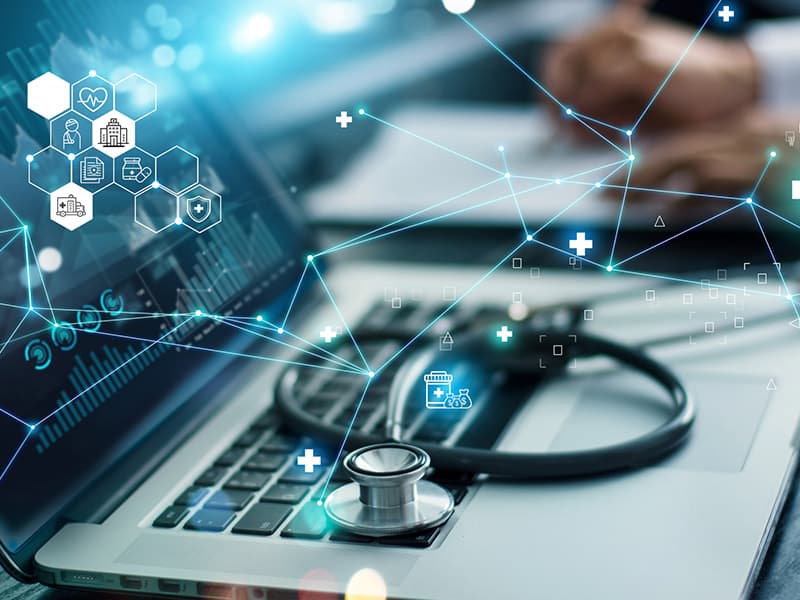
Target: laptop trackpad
x,y
729,411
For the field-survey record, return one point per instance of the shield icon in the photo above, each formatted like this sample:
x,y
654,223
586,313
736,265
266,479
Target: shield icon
x,y
198,208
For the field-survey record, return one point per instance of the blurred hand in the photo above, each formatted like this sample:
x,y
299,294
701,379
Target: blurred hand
x,y
611,72
723,158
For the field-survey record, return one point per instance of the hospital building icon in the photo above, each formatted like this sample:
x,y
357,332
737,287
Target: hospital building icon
x,y
113,135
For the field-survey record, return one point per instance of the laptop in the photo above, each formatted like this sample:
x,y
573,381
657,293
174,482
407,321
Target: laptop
x,y
175,475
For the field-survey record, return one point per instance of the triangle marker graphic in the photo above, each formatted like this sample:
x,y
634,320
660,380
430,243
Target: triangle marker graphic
x,y
659,222
771,385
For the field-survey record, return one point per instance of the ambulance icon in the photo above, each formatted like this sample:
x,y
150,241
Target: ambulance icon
x,y
71,206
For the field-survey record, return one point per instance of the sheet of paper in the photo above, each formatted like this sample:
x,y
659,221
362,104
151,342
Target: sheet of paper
x,y
454,176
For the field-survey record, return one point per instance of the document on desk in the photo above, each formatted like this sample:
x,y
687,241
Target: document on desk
x,y
443,163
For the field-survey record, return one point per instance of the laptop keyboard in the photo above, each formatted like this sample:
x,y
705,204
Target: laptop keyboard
x,y
256,488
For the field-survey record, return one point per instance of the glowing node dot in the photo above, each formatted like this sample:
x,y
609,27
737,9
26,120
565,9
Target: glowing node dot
x,y
598,184
71,156
25,227
361,111
631,157
280,329
749,200
31,426
29,158
259,318
319,502
197,313
156,185
458,7
92,73
529,237
629,132
507,175
558,182
371,374
609,268
501,148
569,111
178,221
773,154
310,257
788,296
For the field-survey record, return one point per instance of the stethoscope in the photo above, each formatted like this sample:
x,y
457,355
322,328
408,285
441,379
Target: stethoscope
x,y
388,495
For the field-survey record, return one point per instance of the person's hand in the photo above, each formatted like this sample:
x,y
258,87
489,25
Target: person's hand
x,y
722,158
612,72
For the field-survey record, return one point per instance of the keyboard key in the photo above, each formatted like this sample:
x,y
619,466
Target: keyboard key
x,y
211,476
333,485
192,496
280,442
434,431
263,519
247,480
265,461
248,438
459,492
341,474
287,493
210,519
269,418
419,539
310,523
230,457
171,517
297,474
229,499
445,476
340,535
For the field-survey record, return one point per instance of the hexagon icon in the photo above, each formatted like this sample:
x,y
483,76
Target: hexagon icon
x,y
48,95
155,209
200,208
135,170
113,133
177,169
135,96
48,170
93,170
71,133
92,96
71,206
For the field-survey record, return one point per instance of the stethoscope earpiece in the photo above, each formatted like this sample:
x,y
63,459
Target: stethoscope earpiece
x,y
388,496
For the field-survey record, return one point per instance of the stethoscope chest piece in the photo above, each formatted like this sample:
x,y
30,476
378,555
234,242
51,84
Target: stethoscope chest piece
x,y
388,496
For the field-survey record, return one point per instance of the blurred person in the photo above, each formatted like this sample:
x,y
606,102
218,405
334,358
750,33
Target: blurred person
x,y
730,99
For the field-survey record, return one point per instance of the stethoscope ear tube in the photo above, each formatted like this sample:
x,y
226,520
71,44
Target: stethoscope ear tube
x,y
531,345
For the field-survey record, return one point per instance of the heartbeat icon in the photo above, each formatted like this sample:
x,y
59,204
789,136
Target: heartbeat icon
x,y
92,98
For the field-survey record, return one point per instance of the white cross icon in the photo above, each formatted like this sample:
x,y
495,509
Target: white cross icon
x,y
504,333
328,333
726,14
198,208
344,119
438,392
581,244
308,461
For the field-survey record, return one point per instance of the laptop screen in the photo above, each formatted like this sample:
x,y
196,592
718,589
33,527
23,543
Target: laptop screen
x,y
129,349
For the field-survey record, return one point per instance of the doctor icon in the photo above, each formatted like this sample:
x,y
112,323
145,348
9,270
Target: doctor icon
x,y
71,142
